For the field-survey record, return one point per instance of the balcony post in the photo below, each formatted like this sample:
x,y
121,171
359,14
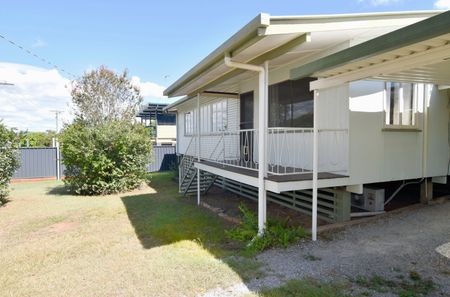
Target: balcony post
x,y
198,148
315,169
262,168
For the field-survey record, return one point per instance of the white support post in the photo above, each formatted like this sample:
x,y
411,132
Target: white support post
x,y
262,168
315,168
266,129
198,148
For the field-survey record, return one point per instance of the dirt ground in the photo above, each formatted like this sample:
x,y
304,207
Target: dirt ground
x,y
228,203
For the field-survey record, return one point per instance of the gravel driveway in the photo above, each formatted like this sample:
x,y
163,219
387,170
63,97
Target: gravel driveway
x,y
416,239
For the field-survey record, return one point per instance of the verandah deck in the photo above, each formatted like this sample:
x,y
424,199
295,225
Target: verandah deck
x,y
274,177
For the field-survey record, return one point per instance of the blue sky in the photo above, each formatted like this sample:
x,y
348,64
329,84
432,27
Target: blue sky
x,y
157,41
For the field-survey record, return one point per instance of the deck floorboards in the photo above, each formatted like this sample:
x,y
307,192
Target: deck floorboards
x,y
273,177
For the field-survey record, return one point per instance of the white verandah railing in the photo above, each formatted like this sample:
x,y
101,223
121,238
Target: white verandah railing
x,y
289,150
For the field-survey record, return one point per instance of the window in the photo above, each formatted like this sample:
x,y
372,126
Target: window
x,y
189,123
291,104
400,105
219,116
213,119
205,113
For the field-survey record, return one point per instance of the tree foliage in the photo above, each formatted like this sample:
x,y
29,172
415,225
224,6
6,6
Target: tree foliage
x,y
107,158
102,95
9,161
36,139
104,150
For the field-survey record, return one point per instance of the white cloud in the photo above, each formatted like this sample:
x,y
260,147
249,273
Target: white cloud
x,y
379,2
149,89
28,104
442,4
39,43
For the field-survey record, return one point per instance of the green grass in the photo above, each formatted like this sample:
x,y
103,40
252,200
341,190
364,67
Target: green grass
x,y
277,234
149,242
413,286
305,288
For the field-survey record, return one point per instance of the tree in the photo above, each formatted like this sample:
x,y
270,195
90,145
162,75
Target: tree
x,y
9,161
104,150
102,95
36,139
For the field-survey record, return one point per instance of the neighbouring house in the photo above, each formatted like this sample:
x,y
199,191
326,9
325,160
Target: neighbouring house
x,y
309,111
162,124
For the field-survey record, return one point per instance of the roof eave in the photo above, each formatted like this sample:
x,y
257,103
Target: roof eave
x,y
260,21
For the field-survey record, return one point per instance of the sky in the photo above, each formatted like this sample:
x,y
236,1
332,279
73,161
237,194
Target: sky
x,y
157,41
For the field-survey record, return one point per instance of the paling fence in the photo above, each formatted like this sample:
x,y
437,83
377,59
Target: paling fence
x,y
43,162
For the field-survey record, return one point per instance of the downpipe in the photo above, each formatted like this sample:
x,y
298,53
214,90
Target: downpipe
x,y
262,85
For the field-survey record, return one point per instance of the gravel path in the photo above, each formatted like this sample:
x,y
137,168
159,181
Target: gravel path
x,y
412,240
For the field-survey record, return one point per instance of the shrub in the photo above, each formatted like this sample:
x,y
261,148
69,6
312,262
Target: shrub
x,y
9,161
278,233
107,158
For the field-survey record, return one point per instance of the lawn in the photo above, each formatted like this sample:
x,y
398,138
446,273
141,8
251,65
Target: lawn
x,y
151,242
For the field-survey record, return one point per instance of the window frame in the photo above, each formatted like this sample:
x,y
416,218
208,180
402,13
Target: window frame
x,y
189,125
414,126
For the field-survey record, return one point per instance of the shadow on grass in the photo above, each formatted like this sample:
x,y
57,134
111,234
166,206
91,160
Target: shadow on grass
x,y
166,217
60,190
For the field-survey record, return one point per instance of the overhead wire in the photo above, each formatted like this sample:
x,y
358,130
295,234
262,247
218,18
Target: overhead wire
x,y
42,59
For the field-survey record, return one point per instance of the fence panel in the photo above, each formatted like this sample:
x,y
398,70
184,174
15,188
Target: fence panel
x,y
41,162
164,158
36,163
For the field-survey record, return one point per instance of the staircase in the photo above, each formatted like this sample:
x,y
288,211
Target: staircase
x,y
189,177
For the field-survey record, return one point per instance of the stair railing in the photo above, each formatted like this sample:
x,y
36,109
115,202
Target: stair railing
x,y
186,161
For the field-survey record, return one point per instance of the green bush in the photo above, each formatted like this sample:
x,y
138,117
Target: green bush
x,y
277,234
9,161
110,157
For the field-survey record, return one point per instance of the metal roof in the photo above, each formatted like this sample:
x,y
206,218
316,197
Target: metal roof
x,y
151,110
412,34
266,33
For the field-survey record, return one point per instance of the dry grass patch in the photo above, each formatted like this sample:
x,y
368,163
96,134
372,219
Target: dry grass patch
x,y
147,243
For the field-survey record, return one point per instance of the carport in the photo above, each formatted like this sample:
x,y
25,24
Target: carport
x,y
418,53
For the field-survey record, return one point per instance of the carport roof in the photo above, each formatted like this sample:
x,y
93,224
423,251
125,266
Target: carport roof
x,y
416,52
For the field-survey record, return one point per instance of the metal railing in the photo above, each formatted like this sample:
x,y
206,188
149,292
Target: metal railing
x,y
187,161
289,150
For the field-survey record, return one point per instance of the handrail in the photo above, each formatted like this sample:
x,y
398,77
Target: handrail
x,y
289,150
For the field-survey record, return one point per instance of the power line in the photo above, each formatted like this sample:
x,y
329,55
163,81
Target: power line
x,y
46,61
57,112
5,83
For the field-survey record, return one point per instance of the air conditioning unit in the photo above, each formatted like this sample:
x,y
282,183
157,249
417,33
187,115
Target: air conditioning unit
x,y
372,199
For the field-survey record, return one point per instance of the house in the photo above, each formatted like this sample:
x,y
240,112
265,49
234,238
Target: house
x,y
306,110
162,124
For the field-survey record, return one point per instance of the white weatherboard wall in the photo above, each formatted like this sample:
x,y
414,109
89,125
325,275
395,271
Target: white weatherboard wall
x,y
333,125
377,155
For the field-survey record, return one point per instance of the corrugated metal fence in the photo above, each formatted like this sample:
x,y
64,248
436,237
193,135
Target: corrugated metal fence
x,y
164,158
42,162
36,163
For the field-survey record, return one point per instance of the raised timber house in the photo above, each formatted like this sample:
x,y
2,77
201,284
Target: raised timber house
x,y
304,111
